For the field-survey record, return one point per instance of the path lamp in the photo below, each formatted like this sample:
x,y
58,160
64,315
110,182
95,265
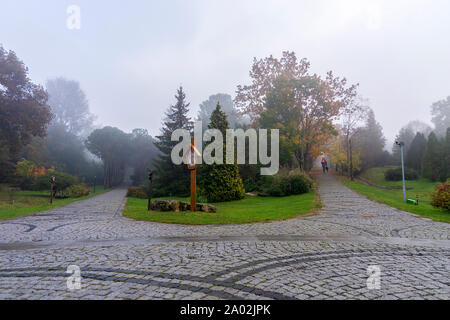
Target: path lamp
x,y
52,183
402,144
95,182
192,163
150,180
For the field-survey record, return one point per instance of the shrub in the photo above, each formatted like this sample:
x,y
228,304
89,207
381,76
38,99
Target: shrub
x,y
62,181
136,192
441,197
78,190
27,172
258,183
223,183
395,174
287,183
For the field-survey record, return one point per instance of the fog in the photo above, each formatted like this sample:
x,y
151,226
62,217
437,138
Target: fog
x,y
129,57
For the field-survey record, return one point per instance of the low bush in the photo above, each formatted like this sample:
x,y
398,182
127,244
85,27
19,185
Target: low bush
x,y
287,183
441,197
258,184
136,192
62,181
395,174
78,190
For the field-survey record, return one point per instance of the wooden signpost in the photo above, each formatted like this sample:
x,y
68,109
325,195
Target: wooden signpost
x,y
192,164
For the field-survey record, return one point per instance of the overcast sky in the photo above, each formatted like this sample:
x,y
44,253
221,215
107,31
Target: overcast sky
x,y
130,56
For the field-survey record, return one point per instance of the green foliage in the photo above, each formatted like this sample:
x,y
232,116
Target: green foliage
x,y
440,112
432,159
62,181
208,106
112,145
143,153
441,197
445,163
287,183
221,182
395,174
371,141
70,106
67,153
171,179
78,190
252,179
24,174
415,152
24,112
136,192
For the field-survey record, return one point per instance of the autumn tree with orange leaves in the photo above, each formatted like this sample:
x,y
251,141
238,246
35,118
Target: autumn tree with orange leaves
x,y
284,95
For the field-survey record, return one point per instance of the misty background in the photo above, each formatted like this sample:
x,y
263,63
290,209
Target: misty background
x,y
129,58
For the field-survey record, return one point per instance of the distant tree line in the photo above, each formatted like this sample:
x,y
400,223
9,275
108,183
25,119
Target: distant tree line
x,y
427,150
48,131
51,129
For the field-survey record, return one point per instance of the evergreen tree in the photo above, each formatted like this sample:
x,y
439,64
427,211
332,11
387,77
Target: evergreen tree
x,y
226,103
446,158
371,141
221,182
406,135
171,179
440,112
415,153
432,159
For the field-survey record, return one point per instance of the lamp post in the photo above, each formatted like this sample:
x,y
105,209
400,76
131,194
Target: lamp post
x,y
52,183
150,180
192,166
402,144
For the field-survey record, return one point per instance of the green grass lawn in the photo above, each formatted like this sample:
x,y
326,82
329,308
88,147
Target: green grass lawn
x,y
376,175
26,202
249,209
421,188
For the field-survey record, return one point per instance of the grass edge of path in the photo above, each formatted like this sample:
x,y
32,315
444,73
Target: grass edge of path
x,y
47,206
375,194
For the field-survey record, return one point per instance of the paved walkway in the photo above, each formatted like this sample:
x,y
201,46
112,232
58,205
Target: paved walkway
x,y
324,256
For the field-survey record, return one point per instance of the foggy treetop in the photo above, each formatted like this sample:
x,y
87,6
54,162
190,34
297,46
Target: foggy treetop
x,y
128,60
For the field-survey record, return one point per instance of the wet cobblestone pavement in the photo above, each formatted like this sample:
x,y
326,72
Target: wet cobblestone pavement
x,y
323,256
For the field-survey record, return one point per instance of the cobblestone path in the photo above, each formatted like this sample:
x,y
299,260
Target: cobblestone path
x,y
323,256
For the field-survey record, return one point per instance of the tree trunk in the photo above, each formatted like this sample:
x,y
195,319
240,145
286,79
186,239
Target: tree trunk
x,y
351,160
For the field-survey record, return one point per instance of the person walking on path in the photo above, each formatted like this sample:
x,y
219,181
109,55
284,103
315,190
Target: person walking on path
x,y
324,165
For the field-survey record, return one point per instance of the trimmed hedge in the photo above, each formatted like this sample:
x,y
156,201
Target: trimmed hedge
x,y
441,198
396,174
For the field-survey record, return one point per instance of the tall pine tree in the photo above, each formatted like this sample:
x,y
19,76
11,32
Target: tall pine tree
x,y
221,182
372,141
415,152
171,179
432,159
446,158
